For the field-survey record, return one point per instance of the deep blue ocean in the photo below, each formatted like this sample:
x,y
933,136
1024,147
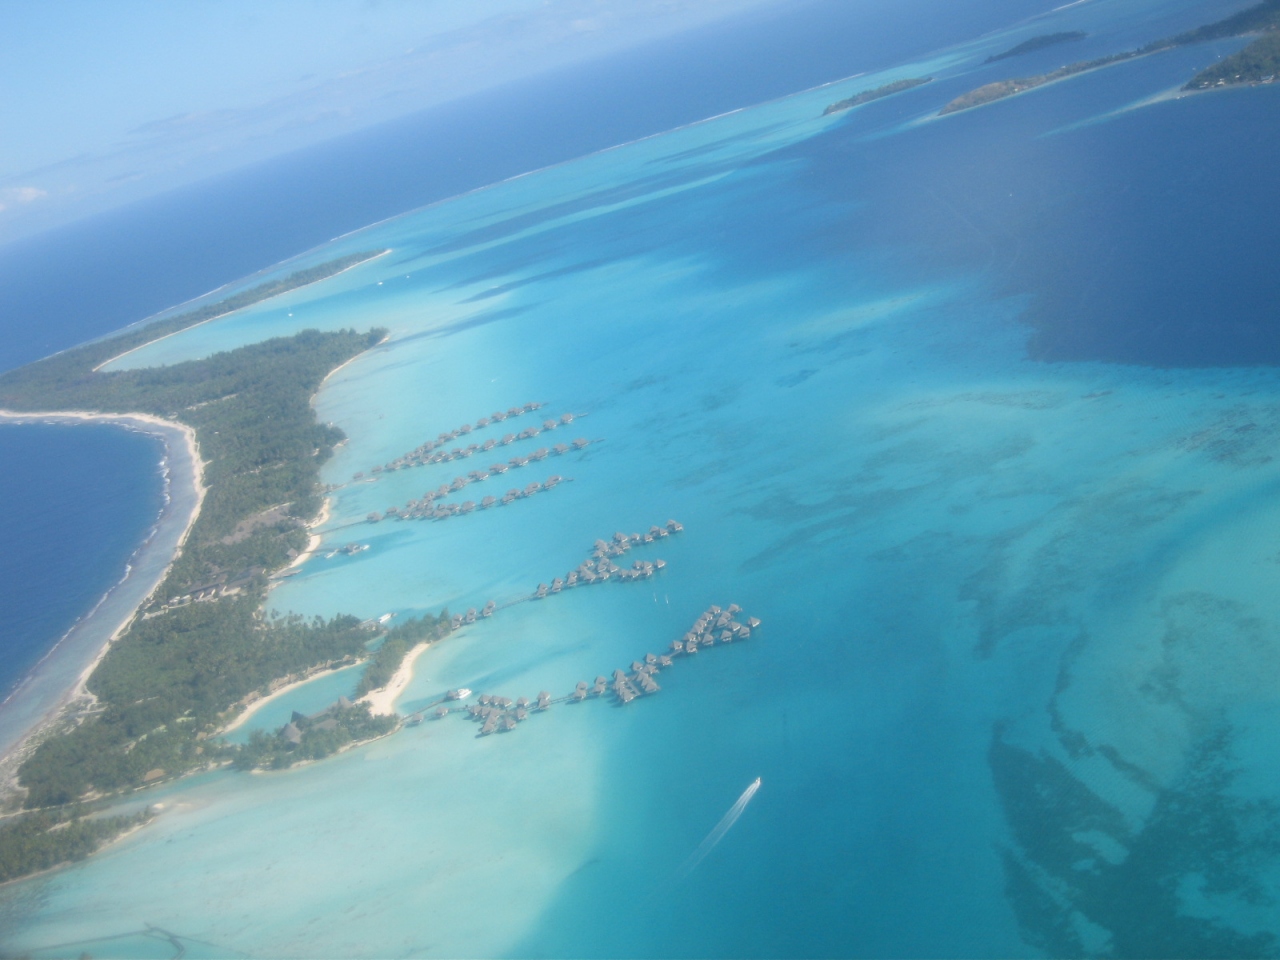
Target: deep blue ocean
x,y
74,504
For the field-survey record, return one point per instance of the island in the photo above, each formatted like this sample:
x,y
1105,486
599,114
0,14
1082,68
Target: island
x,y
1038,43
1263,17
1259,62
200,649
888,90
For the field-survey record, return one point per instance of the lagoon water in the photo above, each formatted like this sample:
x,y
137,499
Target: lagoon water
x,y
1016,688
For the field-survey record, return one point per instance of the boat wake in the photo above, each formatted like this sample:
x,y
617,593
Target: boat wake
x,y
717,834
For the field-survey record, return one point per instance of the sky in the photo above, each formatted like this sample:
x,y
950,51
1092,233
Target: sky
x,y
104,103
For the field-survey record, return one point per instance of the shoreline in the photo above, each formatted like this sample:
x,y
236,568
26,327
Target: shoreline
x,y
382,702
201,323
61,676
313,543
251,708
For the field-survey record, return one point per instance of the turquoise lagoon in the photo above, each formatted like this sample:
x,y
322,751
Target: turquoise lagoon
x,y
1016,688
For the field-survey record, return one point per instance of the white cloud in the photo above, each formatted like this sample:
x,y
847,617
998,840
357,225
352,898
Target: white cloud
x,y
11,195
24,194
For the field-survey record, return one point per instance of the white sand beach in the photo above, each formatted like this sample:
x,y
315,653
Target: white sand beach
x,y
382,702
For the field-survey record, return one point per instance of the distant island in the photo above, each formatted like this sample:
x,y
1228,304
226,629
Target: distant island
x,y
1260,18
1257,63
888,90
1038,43
1007,88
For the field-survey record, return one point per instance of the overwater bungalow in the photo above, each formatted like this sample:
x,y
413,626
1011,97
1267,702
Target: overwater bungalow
x,y
470,616
560,449
557,585
752,622
678,645
636,666
456,622
566,418
529,433
572,579
540,454
374,517
490,724
497,417
489,609
600,687
691,646
522,702
467,506
580,443
510,495
508,438
499,468
518,461
579,694
674,527
489,444
515,411
648,684
619,675
541,591
440,712
484,699
664,661
488,502
726,636
522,713
550,424
660,563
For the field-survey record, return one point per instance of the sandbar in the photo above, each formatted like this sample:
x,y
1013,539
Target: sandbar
x,y
382,702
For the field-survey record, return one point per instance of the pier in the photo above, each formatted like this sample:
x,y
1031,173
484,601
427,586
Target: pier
x,y
434,451
498,714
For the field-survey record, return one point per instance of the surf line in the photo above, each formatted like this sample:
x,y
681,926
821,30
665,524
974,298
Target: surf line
x,y
717,834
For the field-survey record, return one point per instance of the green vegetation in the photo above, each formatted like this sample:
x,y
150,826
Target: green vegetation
x,y
399,641
136,336
1261,17
38,841
1007,88
888,90
317,737
1038,43
202,646
1259,62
